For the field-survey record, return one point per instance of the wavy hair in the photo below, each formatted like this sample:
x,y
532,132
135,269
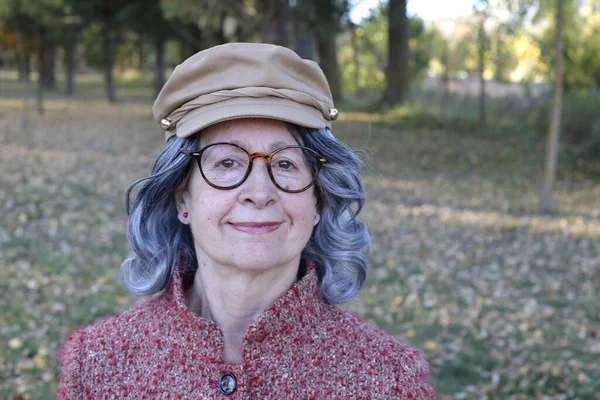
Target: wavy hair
x,y
338,245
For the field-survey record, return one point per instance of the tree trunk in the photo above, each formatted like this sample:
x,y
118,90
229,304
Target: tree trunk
x,y
398,68
23,64
160,66
482,50
108,46
184,50
481,96
39,45
445,81
355,57
268,29
141,54
70,47
327,26
501,58
329,64
304,41
216,36
593,143
48,58
283,23
190,40
554,131
274,27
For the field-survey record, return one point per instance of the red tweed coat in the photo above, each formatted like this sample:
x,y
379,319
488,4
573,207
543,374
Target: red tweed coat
x,y
300,348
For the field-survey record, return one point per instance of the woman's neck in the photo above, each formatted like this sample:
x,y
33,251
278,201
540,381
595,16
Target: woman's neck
x,y
235,299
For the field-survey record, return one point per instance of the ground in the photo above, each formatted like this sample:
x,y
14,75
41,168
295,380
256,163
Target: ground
x,y
501,300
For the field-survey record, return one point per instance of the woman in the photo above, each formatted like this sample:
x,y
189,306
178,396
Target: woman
x,y
248,228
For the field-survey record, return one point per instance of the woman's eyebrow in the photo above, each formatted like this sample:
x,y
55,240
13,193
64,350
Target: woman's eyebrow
x,y
278,145
272,146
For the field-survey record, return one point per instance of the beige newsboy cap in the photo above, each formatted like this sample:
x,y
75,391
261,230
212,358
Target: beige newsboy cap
x,y
239,80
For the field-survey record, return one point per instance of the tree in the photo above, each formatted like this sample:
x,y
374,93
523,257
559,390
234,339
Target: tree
x,y
275,21
15,10
68,37
35,15
363,53
581,38
146,18
109,43
480,9
398,69
591,145
554,131
110,16
327,25
304,38
42,22
47,47
206,23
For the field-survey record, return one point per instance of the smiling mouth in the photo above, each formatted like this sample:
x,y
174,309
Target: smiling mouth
x,y
255,227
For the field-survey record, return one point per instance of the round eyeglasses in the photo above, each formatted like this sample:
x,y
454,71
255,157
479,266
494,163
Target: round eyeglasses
x,y
292,169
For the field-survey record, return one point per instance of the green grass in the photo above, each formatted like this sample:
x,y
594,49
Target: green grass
x,y
501,300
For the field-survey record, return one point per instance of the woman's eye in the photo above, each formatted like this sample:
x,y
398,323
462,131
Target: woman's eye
x,y
227,163
284,164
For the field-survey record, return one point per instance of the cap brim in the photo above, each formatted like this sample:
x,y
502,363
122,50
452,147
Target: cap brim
x,y
245,107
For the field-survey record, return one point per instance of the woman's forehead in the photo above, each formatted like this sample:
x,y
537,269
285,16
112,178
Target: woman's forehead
x,y
249,133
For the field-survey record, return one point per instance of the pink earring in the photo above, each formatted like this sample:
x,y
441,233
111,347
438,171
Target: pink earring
x,y
185,215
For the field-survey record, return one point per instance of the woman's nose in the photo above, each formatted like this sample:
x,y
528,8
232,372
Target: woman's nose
x,y
258,188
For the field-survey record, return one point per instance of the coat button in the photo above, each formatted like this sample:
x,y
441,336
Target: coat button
x,y
227,384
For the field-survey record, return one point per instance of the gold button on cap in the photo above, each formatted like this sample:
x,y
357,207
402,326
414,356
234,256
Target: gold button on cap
x,y
166,124
333,114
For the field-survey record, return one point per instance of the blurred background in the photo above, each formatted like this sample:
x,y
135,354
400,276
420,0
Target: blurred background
x,y
479,125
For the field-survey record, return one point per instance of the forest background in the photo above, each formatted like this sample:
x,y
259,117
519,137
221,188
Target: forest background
x,y
481,135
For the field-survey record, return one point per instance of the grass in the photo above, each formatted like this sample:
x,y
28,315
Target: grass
x,y
501,300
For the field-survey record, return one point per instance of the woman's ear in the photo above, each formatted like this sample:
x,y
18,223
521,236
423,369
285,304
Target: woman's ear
x,y
317,216
182,201
183,212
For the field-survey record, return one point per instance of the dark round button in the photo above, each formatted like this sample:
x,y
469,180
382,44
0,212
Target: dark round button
x,y
227,384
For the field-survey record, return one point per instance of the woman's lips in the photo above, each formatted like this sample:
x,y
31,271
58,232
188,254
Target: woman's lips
x,y
255,227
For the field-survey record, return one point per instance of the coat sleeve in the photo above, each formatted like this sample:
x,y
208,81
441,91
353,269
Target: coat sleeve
x,y
412,377
70,361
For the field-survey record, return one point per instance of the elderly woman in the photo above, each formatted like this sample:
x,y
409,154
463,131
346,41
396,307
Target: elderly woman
x,y
247,227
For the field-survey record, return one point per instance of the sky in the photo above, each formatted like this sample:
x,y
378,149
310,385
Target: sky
x,y
426,9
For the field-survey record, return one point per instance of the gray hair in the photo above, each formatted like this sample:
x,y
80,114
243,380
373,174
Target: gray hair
x,y
339,244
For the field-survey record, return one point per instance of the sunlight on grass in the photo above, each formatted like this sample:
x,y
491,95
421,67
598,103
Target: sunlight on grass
x,y
539,224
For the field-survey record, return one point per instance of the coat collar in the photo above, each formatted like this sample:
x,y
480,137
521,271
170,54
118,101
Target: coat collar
x,y
293,316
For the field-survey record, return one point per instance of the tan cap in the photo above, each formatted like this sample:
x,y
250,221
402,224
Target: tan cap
x,y
240,80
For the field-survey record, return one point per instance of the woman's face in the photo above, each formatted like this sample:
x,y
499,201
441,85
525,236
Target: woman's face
x,y
254,226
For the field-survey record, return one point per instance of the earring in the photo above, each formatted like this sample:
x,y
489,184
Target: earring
x,y
185,215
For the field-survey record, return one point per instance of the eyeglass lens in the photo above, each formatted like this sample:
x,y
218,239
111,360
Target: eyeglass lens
x,y
226,165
